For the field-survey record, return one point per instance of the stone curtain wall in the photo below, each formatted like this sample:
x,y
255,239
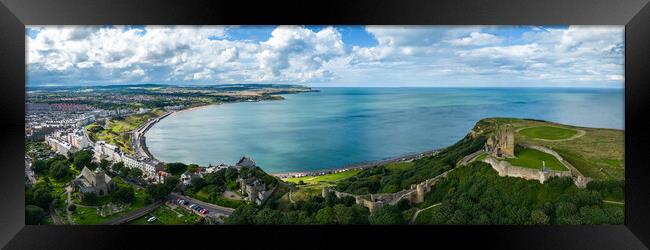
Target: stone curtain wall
x,y
414,195
504,168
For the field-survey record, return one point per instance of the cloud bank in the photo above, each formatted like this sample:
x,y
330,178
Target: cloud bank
x,y
499,56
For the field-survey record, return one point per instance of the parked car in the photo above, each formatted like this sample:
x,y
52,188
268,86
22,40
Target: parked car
x,y
186,203
180,202
152,219
205,211
193,206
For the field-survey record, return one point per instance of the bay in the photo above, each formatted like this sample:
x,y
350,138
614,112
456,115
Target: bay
x,y
340,126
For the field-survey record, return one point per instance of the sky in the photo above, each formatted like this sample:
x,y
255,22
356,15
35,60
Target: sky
x,y
322,56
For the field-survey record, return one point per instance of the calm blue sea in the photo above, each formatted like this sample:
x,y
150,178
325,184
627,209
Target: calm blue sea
x,y
340,126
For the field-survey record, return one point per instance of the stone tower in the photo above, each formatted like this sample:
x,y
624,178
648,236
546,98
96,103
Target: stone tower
x,y
502,142
506,141
419,193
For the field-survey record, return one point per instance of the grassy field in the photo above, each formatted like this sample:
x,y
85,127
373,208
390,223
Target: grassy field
x,y
313,185
117,129
548,132
530,158
165,215
599,153
324,178
90,216
204,196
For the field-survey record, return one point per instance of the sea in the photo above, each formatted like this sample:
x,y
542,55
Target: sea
x,y
337,127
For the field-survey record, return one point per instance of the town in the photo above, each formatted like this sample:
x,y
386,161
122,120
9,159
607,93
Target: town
x,y
86,149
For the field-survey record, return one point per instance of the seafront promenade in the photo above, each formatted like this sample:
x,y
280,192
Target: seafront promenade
x,y
139,139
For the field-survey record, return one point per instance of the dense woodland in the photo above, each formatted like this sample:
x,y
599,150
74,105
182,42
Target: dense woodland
x,y
475,194
383,180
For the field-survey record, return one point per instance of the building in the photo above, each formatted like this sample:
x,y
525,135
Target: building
x,y
148,167
502,143
59,146
93,182
78,140
254,190
107,151
245,162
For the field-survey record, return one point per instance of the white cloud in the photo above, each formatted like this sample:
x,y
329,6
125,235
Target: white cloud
x,y
403,55
476,39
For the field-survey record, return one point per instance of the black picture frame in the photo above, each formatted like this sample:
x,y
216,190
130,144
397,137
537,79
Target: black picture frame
x,y
634,14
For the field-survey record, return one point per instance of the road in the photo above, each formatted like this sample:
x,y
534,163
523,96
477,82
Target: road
x,y
68,213
135,214
215,210
420,210
28,170
465,160
55,217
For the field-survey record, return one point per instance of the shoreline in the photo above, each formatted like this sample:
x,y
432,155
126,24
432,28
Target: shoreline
x,y
354,166
139,133
141,146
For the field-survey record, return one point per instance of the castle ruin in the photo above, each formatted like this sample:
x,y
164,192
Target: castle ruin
x,y
502,143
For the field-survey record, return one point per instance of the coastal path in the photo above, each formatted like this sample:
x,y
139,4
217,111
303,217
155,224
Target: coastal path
x,y
215,210
468,158
415,215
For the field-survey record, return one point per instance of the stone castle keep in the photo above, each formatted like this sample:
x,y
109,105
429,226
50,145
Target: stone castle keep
x,y
502,143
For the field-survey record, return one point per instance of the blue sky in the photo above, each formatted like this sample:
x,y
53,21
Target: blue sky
x,y
377,56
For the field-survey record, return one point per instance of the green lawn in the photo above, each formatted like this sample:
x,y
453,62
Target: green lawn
x,y
324,178
530,158
399,166
89,216
168,216
548,132
118,128
204,196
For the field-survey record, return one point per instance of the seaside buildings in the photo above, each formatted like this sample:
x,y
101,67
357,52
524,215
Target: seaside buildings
x,y
149,167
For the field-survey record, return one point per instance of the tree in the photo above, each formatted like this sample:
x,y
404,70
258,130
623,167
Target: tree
x,y
193,168
157,192
124,172
134,174
325,216
117,167
403,204
538,217
268,216
41,194
40,166
231,173
34,215
59,170
89,198
387,215
83,159
104,164
343,215
244,215
197,183
171,182
123,194
175,168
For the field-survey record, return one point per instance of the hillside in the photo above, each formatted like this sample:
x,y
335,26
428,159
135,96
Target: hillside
x,y
597,153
